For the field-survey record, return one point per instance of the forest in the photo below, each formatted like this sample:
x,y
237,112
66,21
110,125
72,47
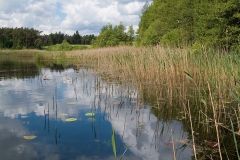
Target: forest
x,y
19,38
210,23
194,23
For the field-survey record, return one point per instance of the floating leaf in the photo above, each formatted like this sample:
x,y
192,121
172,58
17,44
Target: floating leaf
x,y
91,119
63,114
46,79
169,143
184,141
89,114
70,119
212,144
29,137
141,123
71,103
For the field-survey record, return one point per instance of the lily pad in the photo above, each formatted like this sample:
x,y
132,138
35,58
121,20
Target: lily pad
x,y
212,144
89,114
169,143
29,137
63,114
71,103
91,119
184,141
46,79
70,119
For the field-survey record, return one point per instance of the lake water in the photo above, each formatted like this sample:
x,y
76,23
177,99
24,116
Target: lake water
x,y
37,101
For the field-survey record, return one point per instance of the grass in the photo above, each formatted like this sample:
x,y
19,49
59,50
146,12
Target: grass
x,y
203,85
27,53
176,78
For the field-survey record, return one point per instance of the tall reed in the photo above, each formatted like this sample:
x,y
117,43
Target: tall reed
x,y
177,78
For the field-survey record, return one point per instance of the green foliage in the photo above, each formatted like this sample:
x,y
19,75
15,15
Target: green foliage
x,y
40,57
114,36
130,35
25,38
172,38
209,23
18,38
65,46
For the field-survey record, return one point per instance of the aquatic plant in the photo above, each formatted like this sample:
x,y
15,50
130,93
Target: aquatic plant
x,y
202,85
70,119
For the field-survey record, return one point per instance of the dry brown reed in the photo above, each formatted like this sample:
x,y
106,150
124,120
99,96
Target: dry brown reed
x,y
171,78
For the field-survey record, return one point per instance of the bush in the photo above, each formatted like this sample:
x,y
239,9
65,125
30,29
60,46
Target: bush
x,y
64,46
40,57
172,38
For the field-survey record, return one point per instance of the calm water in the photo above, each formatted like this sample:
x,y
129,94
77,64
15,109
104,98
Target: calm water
x,y
30,105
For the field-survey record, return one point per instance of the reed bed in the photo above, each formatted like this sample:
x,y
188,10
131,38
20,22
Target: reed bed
x,y
203,85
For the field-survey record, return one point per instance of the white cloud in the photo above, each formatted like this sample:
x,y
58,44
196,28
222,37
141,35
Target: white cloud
x,y
139,131
132,8
135,124
85,16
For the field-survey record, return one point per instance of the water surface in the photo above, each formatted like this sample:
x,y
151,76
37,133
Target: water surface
x,y
37,101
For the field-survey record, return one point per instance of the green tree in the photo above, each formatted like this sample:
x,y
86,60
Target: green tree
x,y
77,38
186,22
112,36
130,34
38,43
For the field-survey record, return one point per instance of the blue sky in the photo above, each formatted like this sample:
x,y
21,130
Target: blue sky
x,y
59,12
67,16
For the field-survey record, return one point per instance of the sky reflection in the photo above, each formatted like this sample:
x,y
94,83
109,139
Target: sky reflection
x,y
33,106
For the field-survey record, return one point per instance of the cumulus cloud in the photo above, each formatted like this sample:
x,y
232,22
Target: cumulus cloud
x,y
68,16
26,97
139,133
136,125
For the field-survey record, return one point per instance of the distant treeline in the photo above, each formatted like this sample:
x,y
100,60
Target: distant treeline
x,y
19,38
213,23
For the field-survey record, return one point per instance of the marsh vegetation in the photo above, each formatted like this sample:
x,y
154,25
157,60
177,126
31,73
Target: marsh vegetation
x,y
186,74
201,89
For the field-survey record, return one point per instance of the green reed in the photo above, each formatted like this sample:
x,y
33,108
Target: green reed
x,y
176,79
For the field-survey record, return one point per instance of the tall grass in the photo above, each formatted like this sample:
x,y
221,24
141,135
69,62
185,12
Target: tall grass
x,y
177,79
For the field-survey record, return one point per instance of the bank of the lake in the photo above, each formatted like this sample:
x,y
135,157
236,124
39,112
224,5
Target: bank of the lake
x,y
200,88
